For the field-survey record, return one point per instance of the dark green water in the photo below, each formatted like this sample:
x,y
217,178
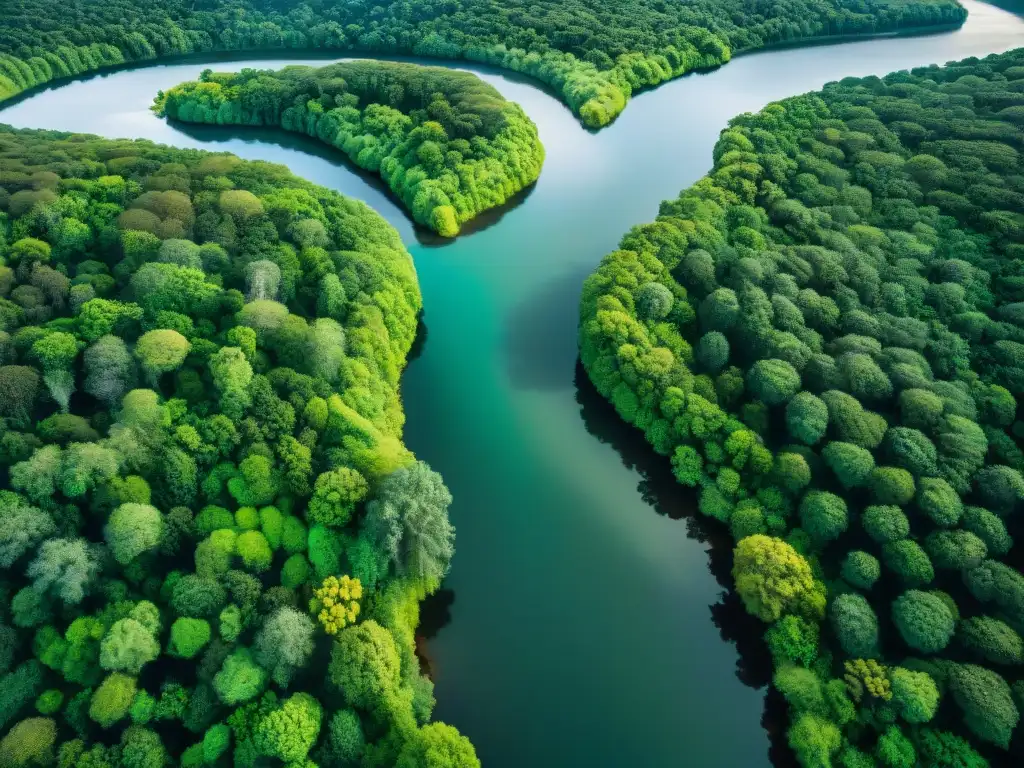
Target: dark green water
x,y
581,624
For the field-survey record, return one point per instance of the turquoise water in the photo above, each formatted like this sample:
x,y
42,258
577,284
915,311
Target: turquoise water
x,y
581,624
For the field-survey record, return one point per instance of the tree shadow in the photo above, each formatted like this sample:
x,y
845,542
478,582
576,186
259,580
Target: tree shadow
x,y
539,341
419,341
659,488
435,615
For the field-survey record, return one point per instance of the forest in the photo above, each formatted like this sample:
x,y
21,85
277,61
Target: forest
x,y
593,54
446,143
213,542
825,336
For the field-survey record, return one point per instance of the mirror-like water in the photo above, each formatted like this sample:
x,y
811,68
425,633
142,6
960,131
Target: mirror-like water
x,y
582,628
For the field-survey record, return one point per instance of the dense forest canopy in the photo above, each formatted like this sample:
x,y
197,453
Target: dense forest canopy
x,y
213,542
593,53
447,143
826,335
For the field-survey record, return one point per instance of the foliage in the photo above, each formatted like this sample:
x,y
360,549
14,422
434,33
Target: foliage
x,y
284,644
364,665
446,143
866,676
188,637
593,56
408,520
923,620
855,625
336,603
439,746
984,697
112,699
772,579
856,252
152,547
914,694
29,742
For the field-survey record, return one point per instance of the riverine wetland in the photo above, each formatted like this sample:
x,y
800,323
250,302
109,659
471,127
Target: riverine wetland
x,y
569,384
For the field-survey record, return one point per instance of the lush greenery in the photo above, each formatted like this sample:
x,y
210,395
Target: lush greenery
x,y
213,543
826,336
593,53
447,143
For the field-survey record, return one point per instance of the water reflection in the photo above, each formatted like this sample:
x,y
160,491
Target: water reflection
x,y
660,490
540,333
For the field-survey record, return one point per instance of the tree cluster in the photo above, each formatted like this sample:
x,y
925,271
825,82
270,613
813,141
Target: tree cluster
x,y
445,142
200,428
593,54
825,335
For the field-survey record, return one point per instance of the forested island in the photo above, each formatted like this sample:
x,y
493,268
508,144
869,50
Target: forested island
x,y
826,336
593,54
213,543
445,142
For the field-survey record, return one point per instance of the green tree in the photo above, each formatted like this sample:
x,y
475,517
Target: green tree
x,y
365,665
29,742
437,745
985,700
923,620
823,515
133,529
240,679
284,644
288,733
112,699
773,382
64,568
855,624
992,640
127,647
914,694
772,579
160,352
335,496
408,520
188,637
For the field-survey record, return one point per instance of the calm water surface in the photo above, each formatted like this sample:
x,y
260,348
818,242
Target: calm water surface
x,y
583,628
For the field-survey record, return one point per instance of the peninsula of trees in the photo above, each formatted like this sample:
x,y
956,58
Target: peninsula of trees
x,y
592,53
826,335
446,143
213,542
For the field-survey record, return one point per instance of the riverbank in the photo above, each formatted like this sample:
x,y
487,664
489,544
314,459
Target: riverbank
x,y
559,537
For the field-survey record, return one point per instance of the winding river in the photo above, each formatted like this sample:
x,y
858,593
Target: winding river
x,y
581,624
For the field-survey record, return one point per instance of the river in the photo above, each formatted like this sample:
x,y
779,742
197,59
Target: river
x,y
581,624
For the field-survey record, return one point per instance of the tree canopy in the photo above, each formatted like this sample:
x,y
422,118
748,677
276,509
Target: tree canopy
x,y
180,468
446,143
594,55
838,374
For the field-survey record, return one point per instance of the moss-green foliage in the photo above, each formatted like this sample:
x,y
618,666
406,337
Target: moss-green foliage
x,y
152,542
985,700
30,742
593,55
924,621
855,624
857,250
446,143
188,636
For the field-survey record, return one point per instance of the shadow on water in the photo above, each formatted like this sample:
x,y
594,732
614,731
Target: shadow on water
x,y
480,222
540,334
435,615
659,489
419,341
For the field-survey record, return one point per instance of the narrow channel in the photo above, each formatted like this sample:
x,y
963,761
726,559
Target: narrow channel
x,y
582,624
